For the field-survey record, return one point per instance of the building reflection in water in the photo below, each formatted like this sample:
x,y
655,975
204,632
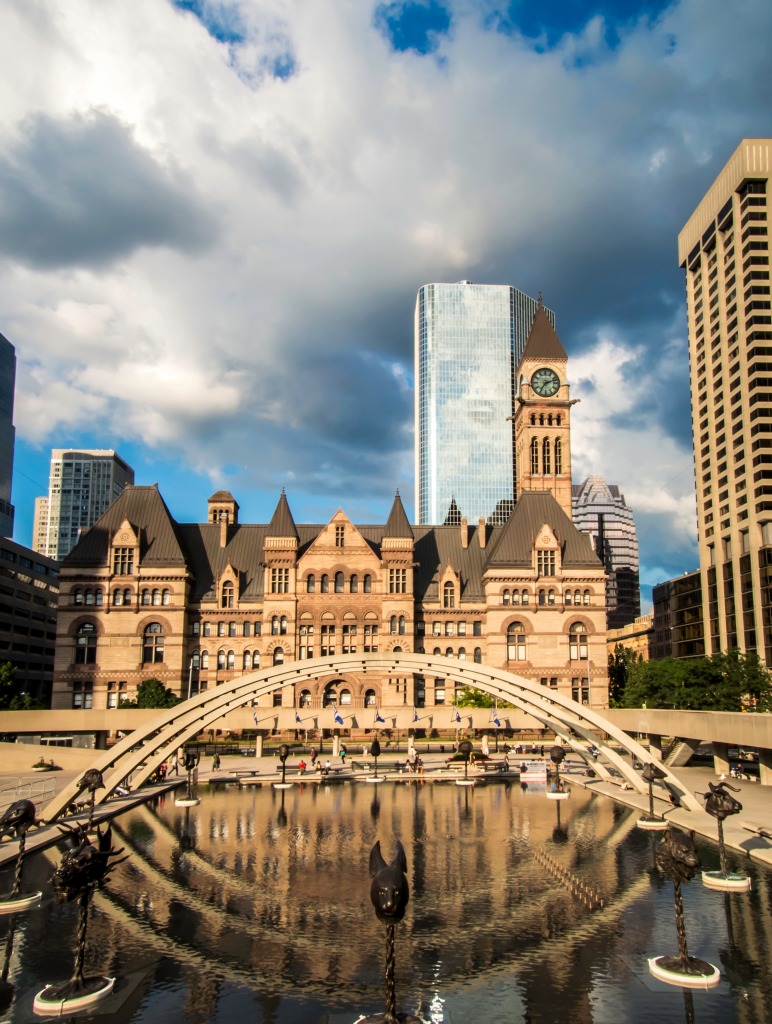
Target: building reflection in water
x,y
257,900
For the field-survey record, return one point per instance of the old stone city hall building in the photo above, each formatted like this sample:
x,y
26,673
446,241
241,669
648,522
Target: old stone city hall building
x,y
198,604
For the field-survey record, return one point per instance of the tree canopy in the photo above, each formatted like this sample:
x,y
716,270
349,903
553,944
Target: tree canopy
x,y
151,693
12,697
722,682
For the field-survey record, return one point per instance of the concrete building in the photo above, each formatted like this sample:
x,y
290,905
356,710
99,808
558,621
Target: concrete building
x,y
7,434
29,589
724,250
82,486
600,509
637,636
679,630
469,339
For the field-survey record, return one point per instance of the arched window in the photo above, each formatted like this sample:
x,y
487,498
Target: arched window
x,y
166,597
558,456
462,654
221,658
450,628
278,656
369,698
401,625
221,629
339,583
78,596
516,642
577,597
515,597
546,460
196,660
311,583
325,584
146,597
448,652
448,595
505,597
304,701
98,597
227,594
525,597
118,598
534,456
586,597
283,625
157,597
205,659
275,625
478,656
436,651
344,697
86,644
256,659
330,695
153,644
247,661
550,597
577,641
232,629
231,659
367,583
542,597
354,584
567,597
393,625
127,596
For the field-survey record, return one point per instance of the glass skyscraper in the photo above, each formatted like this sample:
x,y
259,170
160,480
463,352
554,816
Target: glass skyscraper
x,y
468,342
600,509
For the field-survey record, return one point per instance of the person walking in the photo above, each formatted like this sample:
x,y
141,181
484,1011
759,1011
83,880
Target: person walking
x,y
215,762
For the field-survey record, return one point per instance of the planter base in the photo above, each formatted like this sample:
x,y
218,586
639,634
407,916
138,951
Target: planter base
x,y
15,904
728,883
61,1000
669,969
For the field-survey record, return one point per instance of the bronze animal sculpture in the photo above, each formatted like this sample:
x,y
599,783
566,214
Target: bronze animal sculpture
x,y
90,782
389,891
651,772
18,819
720,803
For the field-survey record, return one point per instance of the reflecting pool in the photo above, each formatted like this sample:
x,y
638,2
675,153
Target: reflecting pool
x,y
254,906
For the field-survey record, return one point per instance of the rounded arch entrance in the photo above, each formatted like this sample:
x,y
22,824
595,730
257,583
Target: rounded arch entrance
x,y
576,725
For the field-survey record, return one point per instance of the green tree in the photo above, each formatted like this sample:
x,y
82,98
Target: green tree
x,y
620,661
468,697
151,693
12,697
721,682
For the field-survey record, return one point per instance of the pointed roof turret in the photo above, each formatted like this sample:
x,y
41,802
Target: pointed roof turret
x,y
453,518
398,524
282,524
543,342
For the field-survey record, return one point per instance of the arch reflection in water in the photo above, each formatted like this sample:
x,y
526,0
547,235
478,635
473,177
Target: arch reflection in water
x,y
256,904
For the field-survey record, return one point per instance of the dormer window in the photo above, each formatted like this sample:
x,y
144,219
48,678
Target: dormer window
x,y
227,596
545,563
448,595
123,561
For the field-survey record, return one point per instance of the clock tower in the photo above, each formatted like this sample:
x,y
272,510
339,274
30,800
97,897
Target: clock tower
x,y
543,415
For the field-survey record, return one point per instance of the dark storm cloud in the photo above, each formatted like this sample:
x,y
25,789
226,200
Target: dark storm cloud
x,y
82,192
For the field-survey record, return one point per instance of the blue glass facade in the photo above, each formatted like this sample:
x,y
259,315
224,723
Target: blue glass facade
x,y
7,433
468,342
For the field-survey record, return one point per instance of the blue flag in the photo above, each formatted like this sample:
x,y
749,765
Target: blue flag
x,y
496,719
337,718
298,719
378,718
415,714
457,715
254,715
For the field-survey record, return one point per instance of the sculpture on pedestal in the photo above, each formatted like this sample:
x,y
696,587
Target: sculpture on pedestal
x,y
720,803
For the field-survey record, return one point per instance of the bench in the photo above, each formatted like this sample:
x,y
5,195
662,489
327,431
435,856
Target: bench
x,y
494,766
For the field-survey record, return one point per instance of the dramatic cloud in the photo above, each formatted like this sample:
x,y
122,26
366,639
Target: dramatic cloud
x,y
215,216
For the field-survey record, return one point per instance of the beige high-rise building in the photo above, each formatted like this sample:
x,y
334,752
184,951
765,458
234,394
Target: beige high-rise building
x,y
724,249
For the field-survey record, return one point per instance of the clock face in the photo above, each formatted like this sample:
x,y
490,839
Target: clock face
x,y
545,382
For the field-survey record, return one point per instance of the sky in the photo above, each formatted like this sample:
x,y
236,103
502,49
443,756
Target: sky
x,y
215,216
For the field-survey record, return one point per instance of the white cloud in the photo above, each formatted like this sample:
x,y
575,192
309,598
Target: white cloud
x,y
324,200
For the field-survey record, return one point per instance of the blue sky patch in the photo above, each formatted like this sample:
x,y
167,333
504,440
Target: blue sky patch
x,y
413,26
549,21
221,20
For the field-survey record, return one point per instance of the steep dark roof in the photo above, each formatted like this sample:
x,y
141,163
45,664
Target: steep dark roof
x,y
223,496
512,545
146,510
543,342
398,524
453,518
282,524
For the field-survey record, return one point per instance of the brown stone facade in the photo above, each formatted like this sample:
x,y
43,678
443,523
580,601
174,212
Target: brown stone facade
x,y
195,605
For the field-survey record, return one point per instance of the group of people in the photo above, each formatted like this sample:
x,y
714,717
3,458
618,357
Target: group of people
x,y
414,762
316,763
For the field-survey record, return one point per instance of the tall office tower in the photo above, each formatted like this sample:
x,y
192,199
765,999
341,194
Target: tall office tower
x,y
724,249
468,341
600,510
7,433
81,487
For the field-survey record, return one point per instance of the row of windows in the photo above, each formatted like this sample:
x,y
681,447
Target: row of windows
x,y
152,644
339,584
451,628
546,597
542,456
577,642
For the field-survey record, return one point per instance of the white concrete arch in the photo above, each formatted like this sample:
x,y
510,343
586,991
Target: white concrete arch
x,y
139,753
